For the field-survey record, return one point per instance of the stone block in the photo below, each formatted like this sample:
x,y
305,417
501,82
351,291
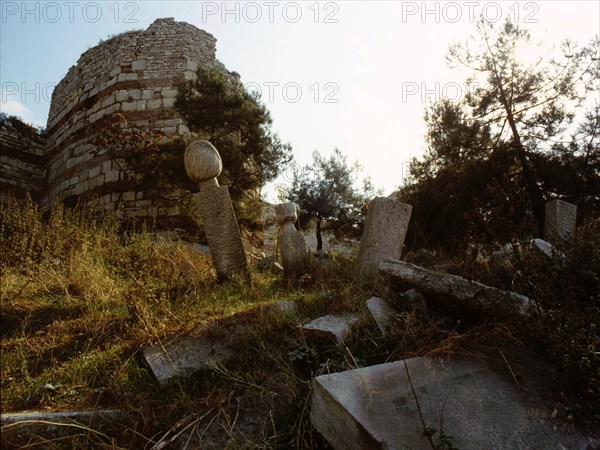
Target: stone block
x,y
111,176
169,93
115,71
148,94
128,196
153,104
561,220
383,236
191,65
168,102
134,94
189,75
122,95
139,64
478,405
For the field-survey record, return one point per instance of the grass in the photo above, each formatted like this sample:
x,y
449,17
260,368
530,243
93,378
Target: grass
x,y
81,297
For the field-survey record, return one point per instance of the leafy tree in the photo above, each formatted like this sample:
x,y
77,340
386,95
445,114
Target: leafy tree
x,y
495,157
525,104
325,191
136,153
221,110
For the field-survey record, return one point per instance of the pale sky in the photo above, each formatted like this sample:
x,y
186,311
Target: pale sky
x,y
354,75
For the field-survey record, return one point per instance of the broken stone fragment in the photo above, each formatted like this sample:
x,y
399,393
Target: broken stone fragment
x,y
330,328
548,249
416,301
383,314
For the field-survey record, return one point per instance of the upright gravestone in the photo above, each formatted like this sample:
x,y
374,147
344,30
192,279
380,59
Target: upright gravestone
x,y
203,165
561,218
292,245
383,236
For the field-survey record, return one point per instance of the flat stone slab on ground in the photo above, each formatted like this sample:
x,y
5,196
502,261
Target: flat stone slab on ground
x,y
374,408
57,416
331,327
182,356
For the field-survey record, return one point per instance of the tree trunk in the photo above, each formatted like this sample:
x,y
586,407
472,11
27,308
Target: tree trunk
x,y
536,196
319,237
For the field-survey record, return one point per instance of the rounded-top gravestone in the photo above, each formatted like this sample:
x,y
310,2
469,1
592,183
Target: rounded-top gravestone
x,y
202,161
285,212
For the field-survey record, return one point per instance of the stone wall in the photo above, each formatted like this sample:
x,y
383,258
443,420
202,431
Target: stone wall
x,y
136,74
22,162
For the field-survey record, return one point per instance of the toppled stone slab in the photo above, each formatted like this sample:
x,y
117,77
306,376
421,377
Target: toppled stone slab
x,y
51,423
472,294
331,327
383,314
374,407
548,249
57,416
182,356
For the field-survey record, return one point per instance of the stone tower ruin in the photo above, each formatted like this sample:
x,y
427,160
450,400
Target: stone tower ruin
x,y
136,74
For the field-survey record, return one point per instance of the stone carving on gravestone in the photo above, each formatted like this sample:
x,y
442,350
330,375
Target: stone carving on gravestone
x,y
291,241
203,165
561,218
383,236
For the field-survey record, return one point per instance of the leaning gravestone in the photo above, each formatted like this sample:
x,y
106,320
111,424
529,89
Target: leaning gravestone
x,y
203,165
561,218
383,236
291,241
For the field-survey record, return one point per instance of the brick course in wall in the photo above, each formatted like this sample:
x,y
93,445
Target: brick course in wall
x,y
136,74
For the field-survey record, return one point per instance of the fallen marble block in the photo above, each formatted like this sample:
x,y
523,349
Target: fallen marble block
x,y
476,406
471,294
